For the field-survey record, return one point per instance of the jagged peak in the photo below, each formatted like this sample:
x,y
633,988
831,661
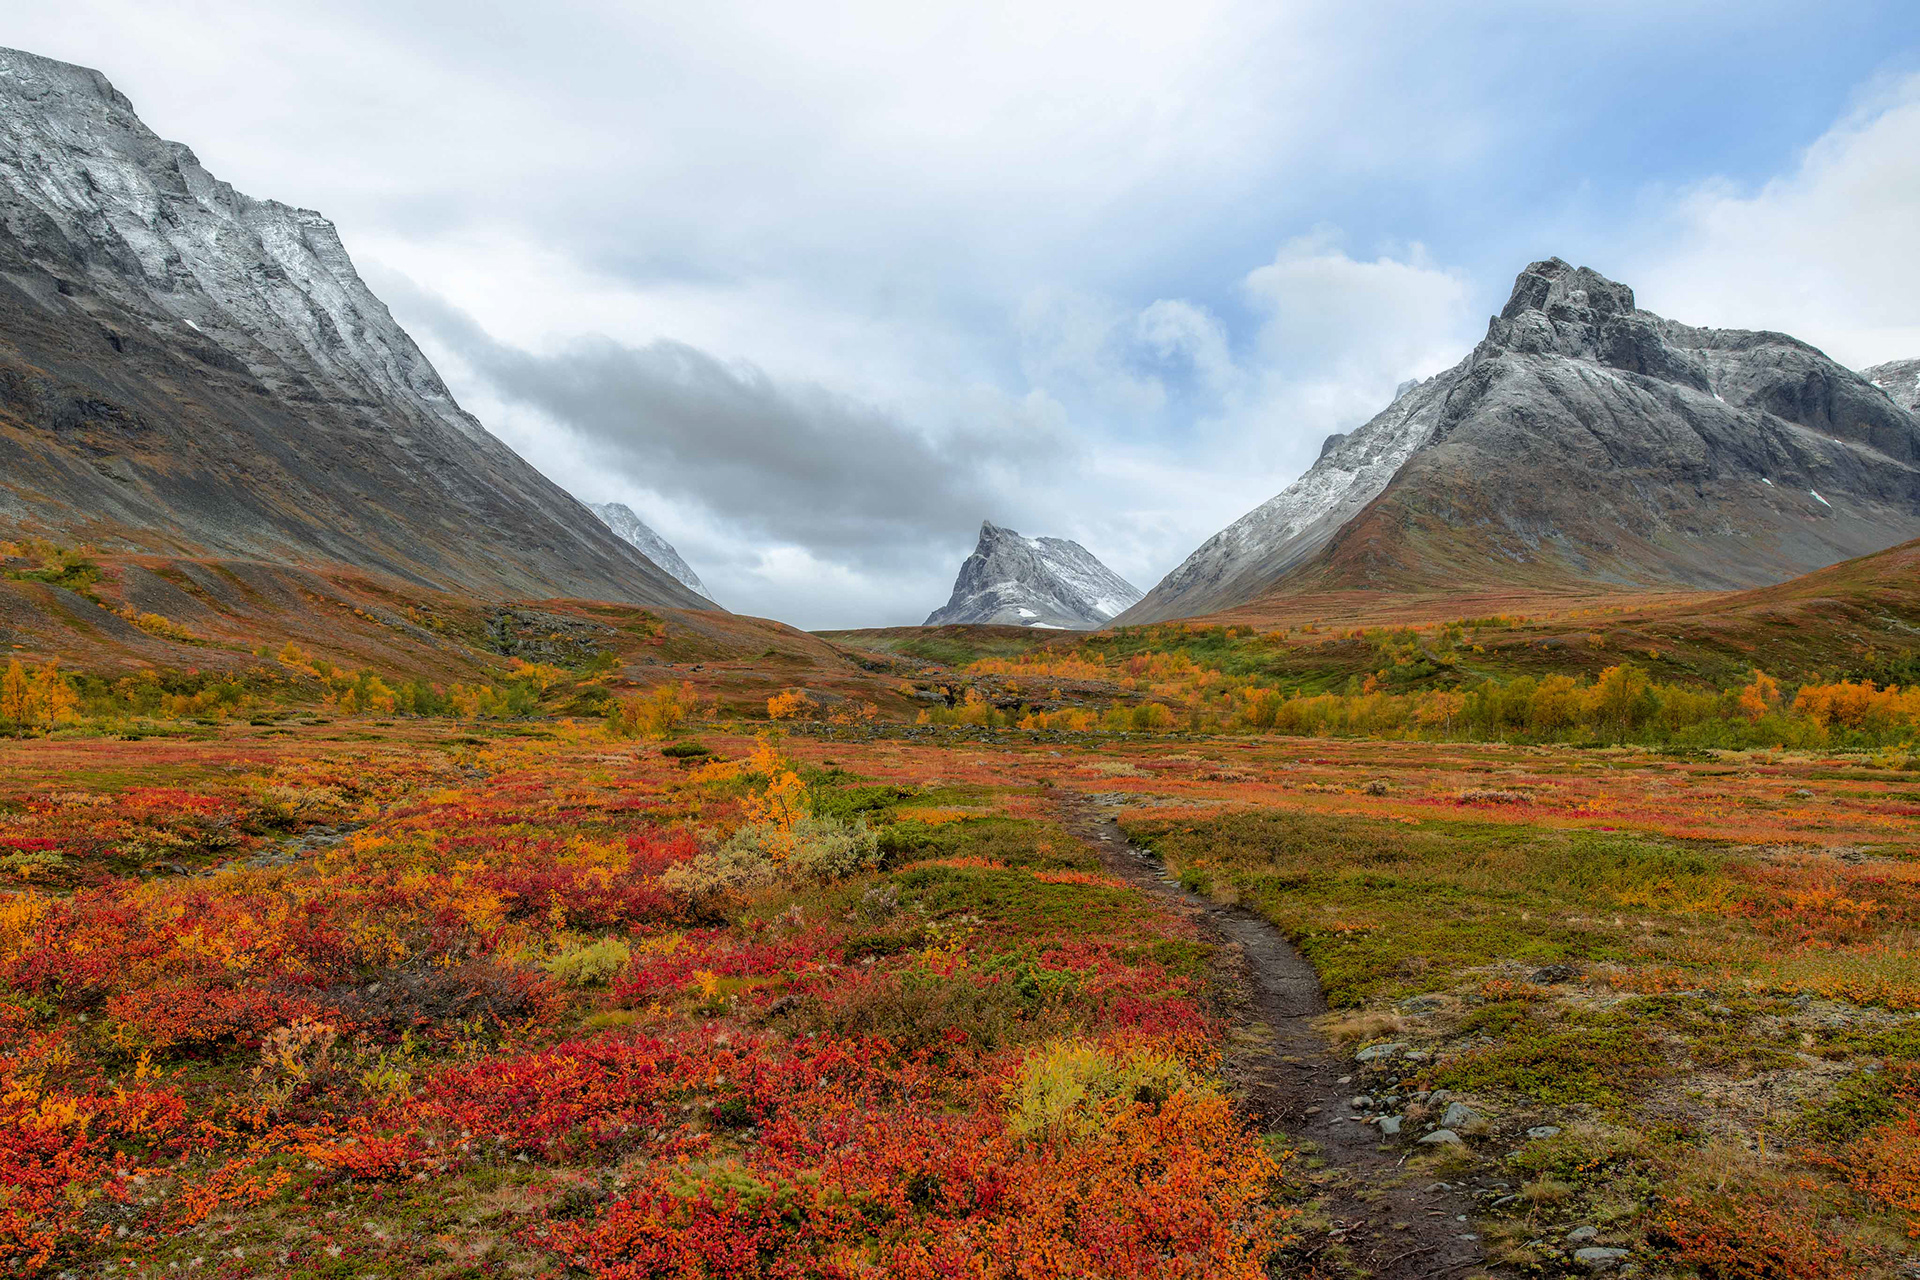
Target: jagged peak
x,y
1035,582
1555,284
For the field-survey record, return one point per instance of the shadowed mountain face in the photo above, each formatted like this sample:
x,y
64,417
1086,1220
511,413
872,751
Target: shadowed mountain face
x,y
1584,441
1033,582
187,370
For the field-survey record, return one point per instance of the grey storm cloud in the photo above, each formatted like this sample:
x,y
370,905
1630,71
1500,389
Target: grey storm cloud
x,y
790,460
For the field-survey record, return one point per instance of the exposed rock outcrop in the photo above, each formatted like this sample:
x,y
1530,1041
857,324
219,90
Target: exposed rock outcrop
x,y
1900,379
1033,582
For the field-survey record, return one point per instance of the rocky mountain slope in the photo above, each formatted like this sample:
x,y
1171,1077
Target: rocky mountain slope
x,y
620,518
1900,379
189,371
1584,441
1033,582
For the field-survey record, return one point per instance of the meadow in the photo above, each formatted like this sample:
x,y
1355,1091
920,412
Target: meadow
x,y
353,992
408,1003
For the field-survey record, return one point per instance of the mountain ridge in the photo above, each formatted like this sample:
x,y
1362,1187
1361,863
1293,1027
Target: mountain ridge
x,y
187,370
1583,441
620,518
1900,379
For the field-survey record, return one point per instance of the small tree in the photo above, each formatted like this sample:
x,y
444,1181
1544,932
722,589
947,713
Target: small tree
x,y
16,696
654,714
53,699
1760,697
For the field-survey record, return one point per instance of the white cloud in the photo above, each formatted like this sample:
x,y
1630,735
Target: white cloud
x,y
1828,251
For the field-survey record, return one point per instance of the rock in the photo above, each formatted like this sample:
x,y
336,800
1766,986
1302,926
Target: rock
x,y
1581,1235
1900,379
1504,1201
1543,1131
1379,1052
1390,1126
1598,1259
1737,459
1442,1138
1459,1115
1439,1097
1033,582
245,383
1417,1005
619,517
1549,975
1418,1055
1360,1102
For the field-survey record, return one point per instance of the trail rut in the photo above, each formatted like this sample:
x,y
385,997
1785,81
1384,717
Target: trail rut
x,y
1386,1220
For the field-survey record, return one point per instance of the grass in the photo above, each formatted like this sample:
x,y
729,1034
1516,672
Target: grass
x,y
1708,1024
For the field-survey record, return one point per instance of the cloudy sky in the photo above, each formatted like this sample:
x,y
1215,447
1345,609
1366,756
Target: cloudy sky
x,y
817,287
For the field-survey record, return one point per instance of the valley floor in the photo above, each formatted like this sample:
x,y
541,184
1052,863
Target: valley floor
x,y
370,997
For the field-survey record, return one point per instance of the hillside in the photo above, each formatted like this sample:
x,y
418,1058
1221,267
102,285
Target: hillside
x,y
1900,379
182,621
187,371
1584,446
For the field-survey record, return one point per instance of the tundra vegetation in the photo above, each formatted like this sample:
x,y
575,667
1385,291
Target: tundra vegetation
x,y
557,975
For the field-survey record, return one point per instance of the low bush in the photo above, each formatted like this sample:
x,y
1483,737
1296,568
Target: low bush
x,y
1067,1088
762,854
589,964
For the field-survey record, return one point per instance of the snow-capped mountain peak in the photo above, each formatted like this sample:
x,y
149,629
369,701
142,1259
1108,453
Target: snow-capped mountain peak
x,y
620,518
1034,582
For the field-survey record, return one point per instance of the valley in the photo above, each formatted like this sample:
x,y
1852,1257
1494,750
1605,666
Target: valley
x,y
1496,855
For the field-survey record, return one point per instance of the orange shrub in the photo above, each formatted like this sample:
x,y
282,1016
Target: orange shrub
x,y
792,704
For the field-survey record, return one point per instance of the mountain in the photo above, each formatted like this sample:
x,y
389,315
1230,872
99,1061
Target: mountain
x,y
1587,443
619,517
1033,582
1900,379
185,370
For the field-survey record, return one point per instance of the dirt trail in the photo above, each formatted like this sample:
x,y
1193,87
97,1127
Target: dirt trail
x,y
1384,1220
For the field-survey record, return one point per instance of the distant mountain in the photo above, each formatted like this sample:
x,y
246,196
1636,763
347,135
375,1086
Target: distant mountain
x,y
189,371
1900,379
1584,441
620,518
1033,582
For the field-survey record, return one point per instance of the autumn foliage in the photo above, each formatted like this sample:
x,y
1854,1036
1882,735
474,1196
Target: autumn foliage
x,y
493,976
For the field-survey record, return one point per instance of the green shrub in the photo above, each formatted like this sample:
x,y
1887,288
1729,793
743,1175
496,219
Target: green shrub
x,y
590,964
1066,1086
816,851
